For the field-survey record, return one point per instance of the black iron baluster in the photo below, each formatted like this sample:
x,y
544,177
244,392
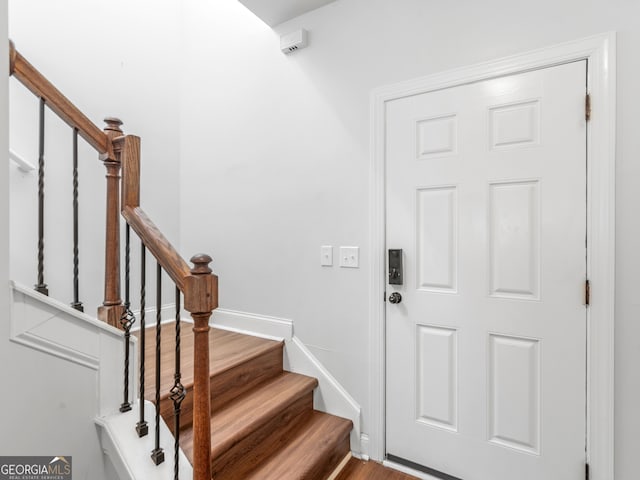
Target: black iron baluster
x,y
177,392
157,455
41,286
77,304
126,320
141,427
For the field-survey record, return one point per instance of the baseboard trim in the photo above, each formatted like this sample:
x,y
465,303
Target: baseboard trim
x,y
254,324
363,454
167,315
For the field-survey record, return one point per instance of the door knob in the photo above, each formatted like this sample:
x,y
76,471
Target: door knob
x,y
395,297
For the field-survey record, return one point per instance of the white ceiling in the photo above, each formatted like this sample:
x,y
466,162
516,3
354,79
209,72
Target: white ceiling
x,y
274,12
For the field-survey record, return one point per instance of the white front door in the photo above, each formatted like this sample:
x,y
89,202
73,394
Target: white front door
x,y
486,355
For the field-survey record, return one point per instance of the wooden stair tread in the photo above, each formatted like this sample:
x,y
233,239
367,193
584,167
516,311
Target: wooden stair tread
x,y
263,426
312,452
245,415
226,349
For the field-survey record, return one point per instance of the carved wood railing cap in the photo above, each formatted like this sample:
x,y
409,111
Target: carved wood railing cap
x,y
201,263
113,124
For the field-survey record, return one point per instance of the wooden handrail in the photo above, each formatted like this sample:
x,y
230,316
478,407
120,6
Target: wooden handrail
x,y
121,156
198,284
31,78
168,257
127,149
199,297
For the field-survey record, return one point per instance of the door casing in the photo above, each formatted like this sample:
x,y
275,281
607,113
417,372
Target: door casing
x,y
599,51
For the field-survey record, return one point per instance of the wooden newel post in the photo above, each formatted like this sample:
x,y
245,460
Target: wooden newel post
x,y
111,309
201,298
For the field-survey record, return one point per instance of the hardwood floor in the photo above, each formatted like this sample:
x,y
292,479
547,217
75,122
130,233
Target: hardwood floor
x,y
359,470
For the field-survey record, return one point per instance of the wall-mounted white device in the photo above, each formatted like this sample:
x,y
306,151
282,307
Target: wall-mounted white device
x,y
293,41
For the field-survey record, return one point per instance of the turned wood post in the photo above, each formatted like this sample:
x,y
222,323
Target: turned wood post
x,y
111,309
201,298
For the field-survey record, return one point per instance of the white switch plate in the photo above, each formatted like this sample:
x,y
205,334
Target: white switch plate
x,y
350,257
326,256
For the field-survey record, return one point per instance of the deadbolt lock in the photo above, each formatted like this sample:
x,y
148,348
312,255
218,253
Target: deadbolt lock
x,y
395,267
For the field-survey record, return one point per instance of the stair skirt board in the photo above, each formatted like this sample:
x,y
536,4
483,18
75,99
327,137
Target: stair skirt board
x,y
122,446
329,397
54,328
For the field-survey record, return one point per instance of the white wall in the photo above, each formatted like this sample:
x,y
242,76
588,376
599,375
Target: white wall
x,y
271,170
115,58
4,168
4,203
4,182
51,410
275,155
65,370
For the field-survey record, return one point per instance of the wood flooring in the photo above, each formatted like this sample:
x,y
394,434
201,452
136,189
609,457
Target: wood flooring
x,y
359,470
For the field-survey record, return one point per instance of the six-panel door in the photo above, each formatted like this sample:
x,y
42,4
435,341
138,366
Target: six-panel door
x,y
486,364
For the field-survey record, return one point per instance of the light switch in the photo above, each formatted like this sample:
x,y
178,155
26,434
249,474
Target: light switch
x,y
326,256
350,257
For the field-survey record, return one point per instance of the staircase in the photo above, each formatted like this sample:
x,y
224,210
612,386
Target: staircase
x,y
262,419
240,416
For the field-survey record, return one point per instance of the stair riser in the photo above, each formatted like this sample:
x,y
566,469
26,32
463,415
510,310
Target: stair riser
x,y
239,380
236,462
314,452
228,385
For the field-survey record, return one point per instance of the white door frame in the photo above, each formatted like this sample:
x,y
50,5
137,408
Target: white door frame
x,y
601,82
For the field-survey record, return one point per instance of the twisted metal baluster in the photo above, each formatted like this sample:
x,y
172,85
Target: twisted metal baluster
x,y
41,287
77,304
142,427
177,392
157,455
126,320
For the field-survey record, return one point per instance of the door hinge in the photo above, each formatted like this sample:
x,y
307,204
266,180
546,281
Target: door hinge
x,y
587,292
586,471
587,107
